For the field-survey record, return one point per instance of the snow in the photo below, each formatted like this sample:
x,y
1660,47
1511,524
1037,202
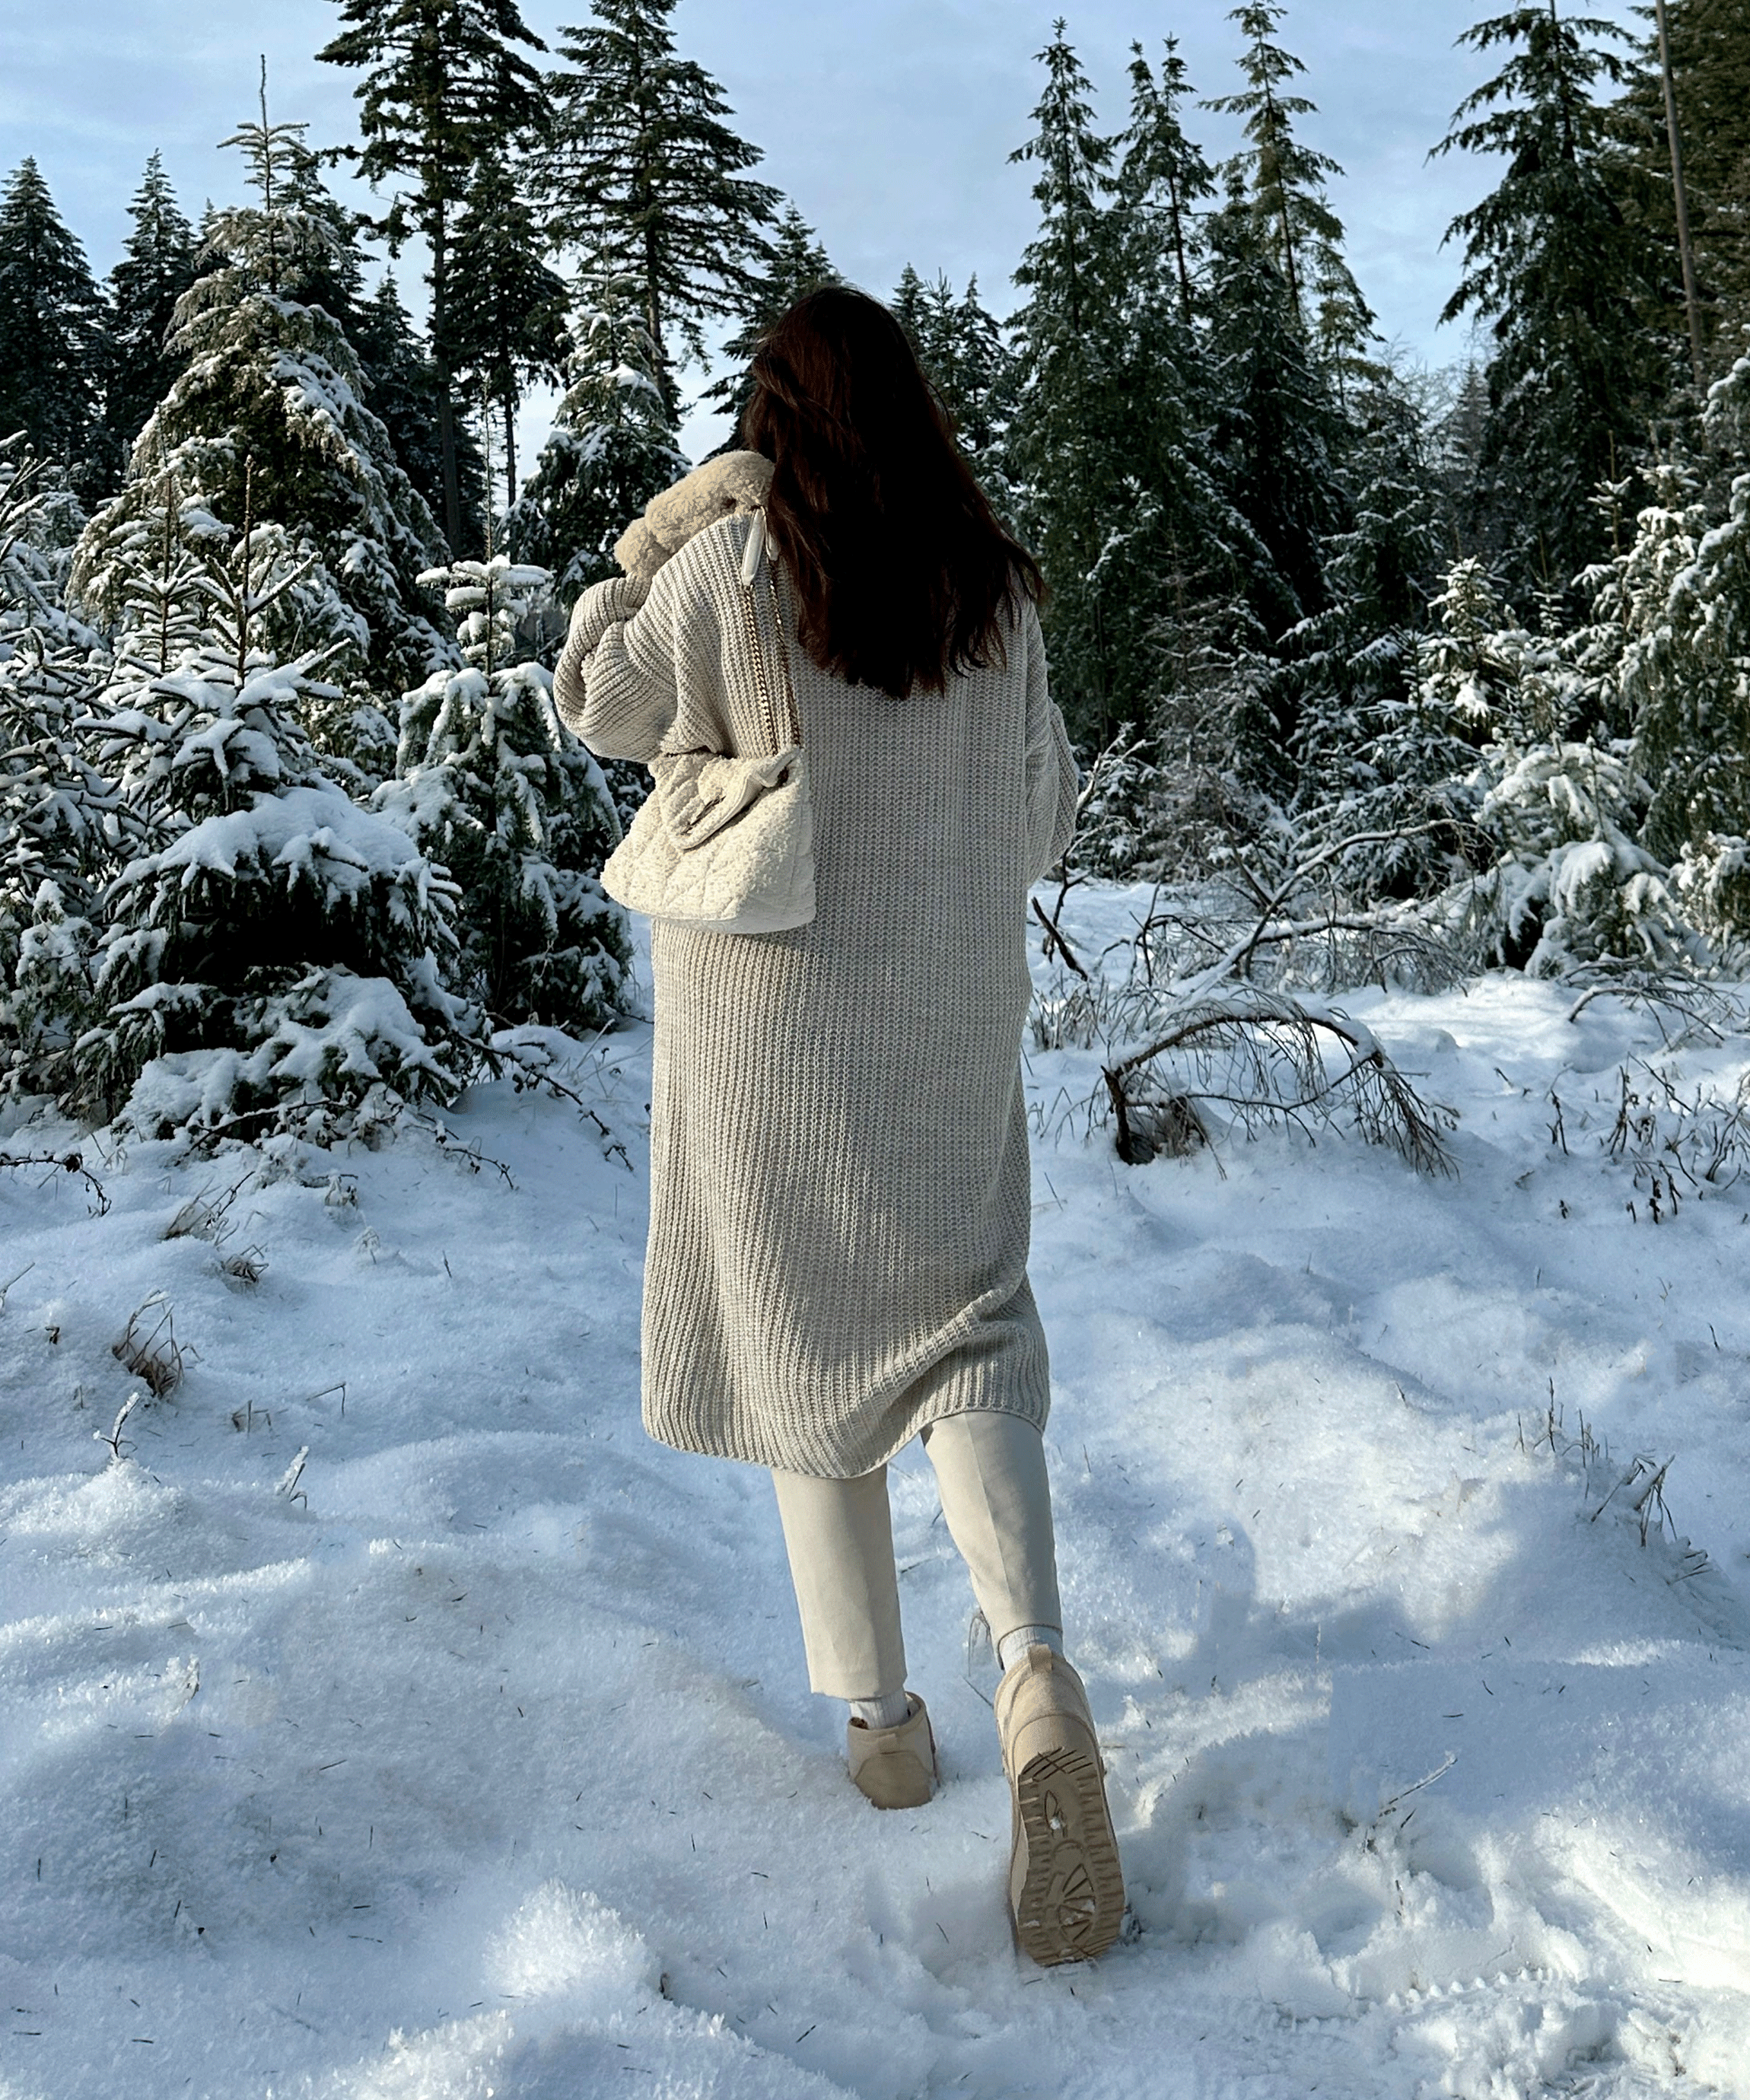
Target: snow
x,y
317,832
476,1756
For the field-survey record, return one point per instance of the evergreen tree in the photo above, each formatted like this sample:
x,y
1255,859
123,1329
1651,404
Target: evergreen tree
x,y
1104,449
266,420
1284,180
51,329
58,816
796,263
157,266
401,390
960,345
276,953
1679,597
1552,263
444,87
1163,172
1279,437
644,176
1067,453
1377,756
612,446
492,783
1710,66
507,320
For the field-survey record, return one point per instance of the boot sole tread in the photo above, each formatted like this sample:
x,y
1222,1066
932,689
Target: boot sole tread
x,y
1071,1903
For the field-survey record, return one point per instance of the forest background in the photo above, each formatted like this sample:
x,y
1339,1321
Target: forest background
x,y
1379,672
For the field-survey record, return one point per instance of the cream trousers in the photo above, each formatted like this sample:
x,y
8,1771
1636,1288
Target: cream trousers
x,y
997,1501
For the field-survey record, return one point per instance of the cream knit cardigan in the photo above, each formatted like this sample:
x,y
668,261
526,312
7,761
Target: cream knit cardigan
x,y
840,1188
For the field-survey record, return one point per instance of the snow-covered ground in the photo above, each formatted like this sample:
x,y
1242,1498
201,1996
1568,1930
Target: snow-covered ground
x,y
477,1756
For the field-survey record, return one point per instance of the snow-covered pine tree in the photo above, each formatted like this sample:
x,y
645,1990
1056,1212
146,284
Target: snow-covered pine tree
x,y
444,87
507,310
644,175
612,447
1379,761
797,264
1681,596
58,816
1099,450
1163,172
52,320
1280,442
491,782
1284,182
1563,279
271,387
1558,808
158,265
276,956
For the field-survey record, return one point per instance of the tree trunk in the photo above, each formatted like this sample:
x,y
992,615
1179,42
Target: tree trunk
x,y
1178,250
509,407
1679,196
440,352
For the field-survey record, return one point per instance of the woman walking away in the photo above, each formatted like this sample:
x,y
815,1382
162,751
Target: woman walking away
x,y
839,1179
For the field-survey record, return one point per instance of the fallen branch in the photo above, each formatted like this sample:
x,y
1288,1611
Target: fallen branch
x,y
65,1163
1265,1056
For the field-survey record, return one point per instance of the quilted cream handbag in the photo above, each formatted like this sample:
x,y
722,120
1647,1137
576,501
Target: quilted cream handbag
x,y
725,844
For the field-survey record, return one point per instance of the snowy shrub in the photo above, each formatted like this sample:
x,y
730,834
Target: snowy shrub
x,y
492,784
274,953
1683,597
59,815
1572,886
1711,879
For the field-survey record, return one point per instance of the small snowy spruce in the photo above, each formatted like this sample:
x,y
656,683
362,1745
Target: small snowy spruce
x,y
491,783
276,955
59,815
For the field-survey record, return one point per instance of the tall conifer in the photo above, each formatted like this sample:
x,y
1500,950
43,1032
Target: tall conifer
x,y
157,266
1710,67
1285,179
797,264
612,446
1163,172
267,417
507,320
1102,449
1563,279
444,86
51,327
644,176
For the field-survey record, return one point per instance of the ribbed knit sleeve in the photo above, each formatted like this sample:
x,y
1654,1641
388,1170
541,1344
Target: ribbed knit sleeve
x,y
619,698
1051,780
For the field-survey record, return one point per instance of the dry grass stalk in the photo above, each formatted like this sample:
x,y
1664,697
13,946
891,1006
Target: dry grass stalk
x,y
148,1348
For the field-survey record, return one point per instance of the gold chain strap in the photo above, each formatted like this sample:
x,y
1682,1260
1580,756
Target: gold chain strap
x,y
751,621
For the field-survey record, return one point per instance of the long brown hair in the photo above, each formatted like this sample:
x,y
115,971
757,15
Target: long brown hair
x,y
902,572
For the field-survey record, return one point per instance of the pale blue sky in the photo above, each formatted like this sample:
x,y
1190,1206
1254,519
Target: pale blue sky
x,y
888,121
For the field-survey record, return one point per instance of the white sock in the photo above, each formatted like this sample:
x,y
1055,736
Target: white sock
x,y
886,1712
1013,1647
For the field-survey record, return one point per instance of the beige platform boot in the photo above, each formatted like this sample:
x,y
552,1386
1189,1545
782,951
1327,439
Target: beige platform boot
x,y
895,1767
1066,1888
